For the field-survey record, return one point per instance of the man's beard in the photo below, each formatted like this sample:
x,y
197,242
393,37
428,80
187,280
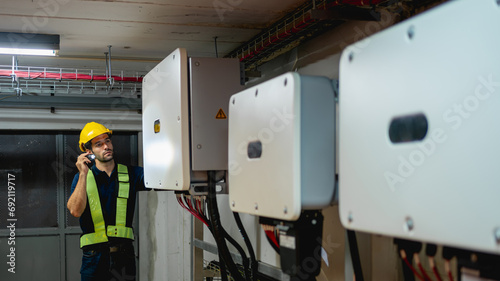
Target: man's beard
x,y
104,160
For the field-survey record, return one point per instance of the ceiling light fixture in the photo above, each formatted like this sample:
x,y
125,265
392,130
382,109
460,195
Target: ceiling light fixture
x,y
29,44
29,52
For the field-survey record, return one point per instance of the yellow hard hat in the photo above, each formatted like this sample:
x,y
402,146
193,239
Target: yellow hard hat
x,y
90,131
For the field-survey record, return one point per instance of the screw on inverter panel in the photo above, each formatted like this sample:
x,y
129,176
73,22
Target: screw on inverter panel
x,y
285,210
233,204
351,56
256,206
256,92
286,81
198,146
349,218
197,63
409,224
411,32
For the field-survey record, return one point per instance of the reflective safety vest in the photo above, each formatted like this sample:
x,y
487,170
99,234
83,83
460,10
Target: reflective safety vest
x,y
100,234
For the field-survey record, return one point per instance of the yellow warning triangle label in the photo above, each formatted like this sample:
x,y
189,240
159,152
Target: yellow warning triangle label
x,y
221,114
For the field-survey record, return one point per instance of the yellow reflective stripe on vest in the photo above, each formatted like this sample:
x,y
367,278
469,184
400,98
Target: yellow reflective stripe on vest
x,y
121,211
93,238
118,230
123,181
99,235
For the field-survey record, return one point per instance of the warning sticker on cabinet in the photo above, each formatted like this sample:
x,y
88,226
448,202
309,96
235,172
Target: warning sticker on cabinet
x,y
221,114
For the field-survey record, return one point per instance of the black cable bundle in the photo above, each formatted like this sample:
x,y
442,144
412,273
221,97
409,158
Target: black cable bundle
x,y
244,258
356,261
218,231
255,264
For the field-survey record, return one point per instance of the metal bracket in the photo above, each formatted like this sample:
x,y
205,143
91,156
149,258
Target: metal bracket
x,y
201,189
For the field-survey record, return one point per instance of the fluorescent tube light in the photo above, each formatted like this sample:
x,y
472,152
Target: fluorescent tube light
x,y
12,43
32,52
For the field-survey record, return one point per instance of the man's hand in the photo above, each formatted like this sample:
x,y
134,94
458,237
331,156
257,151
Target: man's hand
x,y
81,163
78,199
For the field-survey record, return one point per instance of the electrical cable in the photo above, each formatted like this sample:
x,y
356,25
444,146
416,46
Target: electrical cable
x,y
273,245
195,206
244,258
448,254
179,199
447,269
202,218
271,237
356,262
254,263
402,253
422,270
430,252
217,229
223,271
434,269
203,209
420,267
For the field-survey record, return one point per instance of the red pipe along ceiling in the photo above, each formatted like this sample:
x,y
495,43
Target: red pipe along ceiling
x,y
66,76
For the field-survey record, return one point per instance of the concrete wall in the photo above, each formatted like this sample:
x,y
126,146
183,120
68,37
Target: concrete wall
x,y
165,231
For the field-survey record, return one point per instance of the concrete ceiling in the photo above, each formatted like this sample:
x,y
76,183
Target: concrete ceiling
x,y
144,30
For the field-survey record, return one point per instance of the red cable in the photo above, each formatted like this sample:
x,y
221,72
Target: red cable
x,y
448,270
190,211
189,204
271,236
182,204
197,205
403,256
426,276
194,209
413,269
195,212
200,206
199,209
432,265
436,273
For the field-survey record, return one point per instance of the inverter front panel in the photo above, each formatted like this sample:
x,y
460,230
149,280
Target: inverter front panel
x,y
419,135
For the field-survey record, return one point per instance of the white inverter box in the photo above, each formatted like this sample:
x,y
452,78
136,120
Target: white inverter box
x,y
282,147
419,135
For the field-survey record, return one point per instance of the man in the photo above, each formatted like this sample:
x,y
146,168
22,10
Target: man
x,y
103,197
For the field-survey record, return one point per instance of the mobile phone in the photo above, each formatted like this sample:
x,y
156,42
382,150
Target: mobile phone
x,y
91,157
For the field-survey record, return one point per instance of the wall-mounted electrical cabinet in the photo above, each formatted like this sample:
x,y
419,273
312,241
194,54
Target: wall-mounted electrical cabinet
x,y
419,135
281,147
185,105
